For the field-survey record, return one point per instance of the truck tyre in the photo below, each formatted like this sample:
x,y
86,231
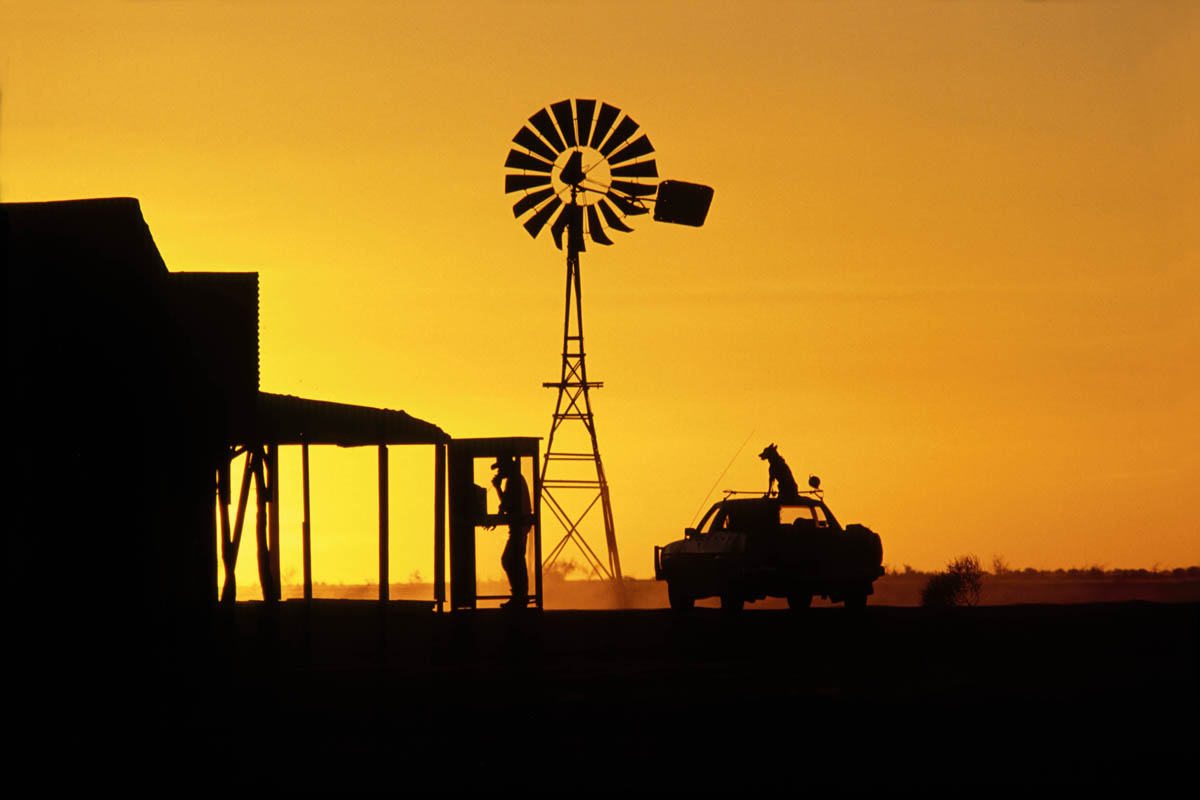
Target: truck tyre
x,y
732,602
680,601
856,601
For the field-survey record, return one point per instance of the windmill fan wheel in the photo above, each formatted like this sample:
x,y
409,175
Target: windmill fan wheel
x,y
574,162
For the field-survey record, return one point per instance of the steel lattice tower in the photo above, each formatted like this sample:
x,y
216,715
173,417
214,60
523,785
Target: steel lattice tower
x,y
574,406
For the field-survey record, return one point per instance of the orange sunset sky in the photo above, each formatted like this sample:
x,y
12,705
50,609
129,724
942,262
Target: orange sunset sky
x,y
951,265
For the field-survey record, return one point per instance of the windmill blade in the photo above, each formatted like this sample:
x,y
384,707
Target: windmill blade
x,y
530,141
611,217
538,221
530,200
584,109
594,228
518,160
575,228
560,225
541,121
566,120
642,169
515,183
634,189
639,147
627,206
608,115
626,128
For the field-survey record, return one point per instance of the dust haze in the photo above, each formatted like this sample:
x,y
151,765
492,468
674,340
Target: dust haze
x,y
899,588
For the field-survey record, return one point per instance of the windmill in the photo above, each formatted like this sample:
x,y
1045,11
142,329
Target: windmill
x,y
584,169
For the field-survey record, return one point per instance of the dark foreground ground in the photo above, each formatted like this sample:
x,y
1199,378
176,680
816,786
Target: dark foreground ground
x,y
593,700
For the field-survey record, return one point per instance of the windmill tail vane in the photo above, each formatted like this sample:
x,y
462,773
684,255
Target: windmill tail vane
x,y
586,166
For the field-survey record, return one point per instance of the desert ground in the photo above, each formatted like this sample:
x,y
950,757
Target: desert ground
x,y
344,695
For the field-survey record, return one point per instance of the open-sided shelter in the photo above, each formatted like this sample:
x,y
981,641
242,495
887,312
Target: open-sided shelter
x,y
131,388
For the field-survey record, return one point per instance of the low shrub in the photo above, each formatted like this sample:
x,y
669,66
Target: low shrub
x,y
959,585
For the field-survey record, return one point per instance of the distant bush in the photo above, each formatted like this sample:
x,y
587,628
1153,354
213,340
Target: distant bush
x,y
959,585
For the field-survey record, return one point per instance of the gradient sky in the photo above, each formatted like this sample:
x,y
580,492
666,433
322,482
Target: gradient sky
x,y
951,264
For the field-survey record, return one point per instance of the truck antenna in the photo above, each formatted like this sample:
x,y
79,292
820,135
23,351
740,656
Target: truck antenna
x,y
718,480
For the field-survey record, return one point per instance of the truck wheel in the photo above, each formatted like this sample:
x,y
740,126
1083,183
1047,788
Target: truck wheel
x,y
856,601
732,602
679,600
799,601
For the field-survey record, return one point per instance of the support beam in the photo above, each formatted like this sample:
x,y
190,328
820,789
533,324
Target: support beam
x,y
243,496
306,526
226,534
260,527
537,528
273,517
224,491
439,525
230,547
383,523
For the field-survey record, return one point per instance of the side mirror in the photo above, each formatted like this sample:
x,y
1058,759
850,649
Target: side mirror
x,y
689,533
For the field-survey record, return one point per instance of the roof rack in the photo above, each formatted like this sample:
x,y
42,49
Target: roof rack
x,y
817,493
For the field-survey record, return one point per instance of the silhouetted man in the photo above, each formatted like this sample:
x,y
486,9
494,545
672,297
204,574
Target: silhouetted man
x,y
514,504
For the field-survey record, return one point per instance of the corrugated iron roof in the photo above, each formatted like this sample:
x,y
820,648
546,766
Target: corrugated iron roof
x,y
284,419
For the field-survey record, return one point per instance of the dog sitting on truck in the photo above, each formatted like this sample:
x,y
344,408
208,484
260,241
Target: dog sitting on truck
x,y
779,473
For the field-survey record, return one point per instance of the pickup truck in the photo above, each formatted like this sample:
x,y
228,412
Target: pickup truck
x,y
748,548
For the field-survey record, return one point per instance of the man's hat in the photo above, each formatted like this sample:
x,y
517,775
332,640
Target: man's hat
x,y
502,461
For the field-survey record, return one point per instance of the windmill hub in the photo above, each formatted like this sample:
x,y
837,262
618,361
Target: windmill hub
x,y
583,171
572,173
